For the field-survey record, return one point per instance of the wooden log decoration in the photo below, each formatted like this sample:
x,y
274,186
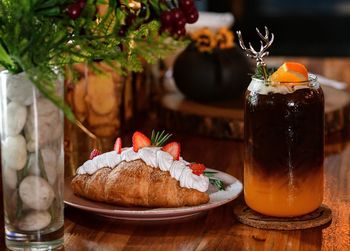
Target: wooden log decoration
x,y
96,99
225,120
337,109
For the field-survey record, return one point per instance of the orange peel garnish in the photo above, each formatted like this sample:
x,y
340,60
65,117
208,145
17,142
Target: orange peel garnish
x,y
291,73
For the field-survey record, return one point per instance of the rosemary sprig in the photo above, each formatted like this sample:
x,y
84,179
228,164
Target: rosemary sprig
x,y
219,184
263,72
159,138
209,173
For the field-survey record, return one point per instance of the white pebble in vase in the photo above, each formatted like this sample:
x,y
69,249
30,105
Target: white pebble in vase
x,y
44,107
36,192
49,161
15,152
34,220
13,203
10,177
48,130
16,118
20,89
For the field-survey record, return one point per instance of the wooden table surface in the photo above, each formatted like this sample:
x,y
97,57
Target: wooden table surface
x,y
218,229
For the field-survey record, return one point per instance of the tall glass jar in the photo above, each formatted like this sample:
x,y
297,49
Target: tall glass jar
x,y
32,163
284,147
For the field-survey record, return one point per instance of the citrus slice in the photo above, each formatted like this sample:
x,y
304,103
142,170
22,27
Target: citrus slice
x,y
290,72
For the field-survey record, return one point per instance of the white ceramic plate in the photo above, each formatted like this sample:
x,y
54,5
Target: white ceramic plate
x,y
233,189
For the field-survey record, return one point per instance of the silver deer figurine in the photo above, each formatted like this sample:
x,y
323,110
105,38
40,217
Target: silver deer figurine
x,y
265,43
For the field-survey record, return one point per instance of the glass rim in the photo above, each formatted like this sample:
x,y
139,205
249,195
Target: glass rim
x,y
4,72
7,72
311,79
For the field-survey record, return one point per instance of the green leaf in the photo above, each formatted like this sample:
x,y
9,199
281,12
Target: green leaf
x,y
209,173
49,11
260,72
219,184
5,59
159,138
45,4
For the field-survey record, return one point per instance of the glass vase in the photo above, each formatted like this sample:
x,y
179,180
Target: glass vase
x,y
32,161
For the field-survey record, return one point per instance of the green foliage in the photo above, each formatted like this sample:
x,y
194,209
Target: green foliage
x,y
263,73
40,38
219,184
159,138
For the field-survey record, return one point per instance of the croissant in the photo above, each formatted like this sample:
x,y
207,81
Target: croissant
x,y
135,183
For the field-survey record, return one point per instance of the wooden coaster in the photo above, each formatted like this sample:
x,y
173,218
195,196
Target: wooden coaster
x,y
247,216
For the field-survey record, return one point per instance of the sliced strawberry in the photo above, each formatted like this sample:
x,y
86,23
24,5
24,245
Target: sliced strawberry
x,y
197,169
140,140
118,145
94,153
174,149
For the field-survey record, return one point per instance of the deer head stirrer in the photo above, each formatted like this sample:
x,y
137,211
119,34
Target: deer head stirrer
x,y
265,43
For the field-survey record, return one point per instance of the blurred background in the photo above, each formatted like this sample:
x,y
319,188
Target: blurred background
x,y
199,93
302,27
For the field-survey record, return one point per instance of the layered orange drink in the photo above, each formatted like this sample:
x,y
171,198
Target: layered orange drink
x,y
284,143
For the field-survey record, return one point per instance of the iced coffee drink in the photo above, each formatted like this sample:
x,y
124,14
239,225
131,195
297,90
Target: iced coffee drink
x,y
284,143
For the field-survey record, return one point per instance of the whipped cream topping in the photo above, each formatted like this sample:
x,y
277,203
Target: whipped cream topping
x,y
154,157
260,87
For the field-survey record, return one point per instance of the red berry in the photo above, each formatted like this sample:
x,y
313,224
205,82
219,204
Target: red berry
x,y
118,145
166,18
122,31
81,3
192,16
181,32
197,169
174,149
197,172
94,153
73,10
180,23
139,140
186,4
177,14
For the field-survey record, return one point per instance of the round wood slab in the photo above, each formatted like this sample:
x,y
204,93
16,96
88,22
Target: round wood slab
x,y
225,119
319,217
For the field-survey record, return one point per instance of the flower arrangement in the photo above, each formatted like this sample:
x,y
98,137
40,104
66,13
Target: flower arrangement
x,y
206,40
42,37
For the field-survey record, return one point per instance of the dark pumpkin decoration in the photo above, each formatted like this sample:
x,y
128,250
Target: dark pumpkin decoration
x,y
211,76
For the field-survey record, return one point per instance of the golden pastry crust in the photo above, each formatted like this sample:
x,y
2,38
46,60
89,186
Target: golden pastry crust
x,y
136,184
